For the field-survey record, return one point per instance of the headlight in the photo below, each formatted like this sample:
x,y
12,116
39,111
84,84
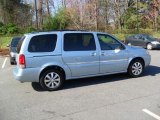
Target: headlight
x,y
155,42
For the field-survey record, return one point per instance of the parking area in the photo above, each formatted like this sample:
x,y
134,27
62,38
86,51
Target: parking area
x,y
114,97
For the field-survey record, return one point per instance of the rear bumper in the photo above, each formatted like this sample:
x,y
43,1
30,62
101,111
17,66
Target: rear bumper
x,y
13,60
26,75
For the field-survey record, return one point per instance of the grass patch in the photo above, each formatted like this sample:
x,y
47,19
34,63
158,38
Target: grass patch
x,y
156,35
121,36
4,41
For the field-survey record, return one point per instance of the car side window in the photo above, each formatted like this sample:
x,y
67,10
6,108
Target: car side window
x,y
141,37
43,43
79,42
109,43
136,36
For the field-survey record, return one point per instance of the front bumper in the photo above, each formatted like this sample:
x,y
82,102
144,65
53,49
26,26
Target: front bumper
x,y
156,46
26,75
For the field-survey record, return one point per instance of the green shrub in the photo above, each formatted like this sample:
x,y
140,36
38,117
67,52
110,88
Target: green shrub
x,y
12,28
30,29
8,29
1,24
57,22
3,30
146,31
121,36
51,24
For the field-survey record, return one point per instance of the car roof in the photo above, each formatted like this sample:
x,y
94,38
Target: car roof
x,y
16,37
142,34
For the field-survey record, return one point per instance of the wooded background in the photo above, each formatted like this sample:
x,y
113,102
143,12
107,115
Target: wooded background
x,y
113,16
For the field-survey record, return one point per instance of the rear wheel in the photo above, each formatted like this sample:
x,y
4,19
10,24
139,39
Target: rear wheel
x,y
136,68
52,80
12,62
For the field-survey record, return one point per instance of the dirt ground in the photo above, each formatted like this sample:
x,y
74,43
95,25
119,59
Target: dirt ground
x,y
4,52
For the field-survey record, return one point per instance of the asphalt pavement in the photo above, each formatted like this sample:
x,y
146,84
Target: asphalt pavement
x,y
113,97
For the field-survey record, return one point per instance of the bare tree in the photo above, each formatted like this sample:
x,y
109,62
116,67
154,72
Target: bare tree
x,y
47,6
40,13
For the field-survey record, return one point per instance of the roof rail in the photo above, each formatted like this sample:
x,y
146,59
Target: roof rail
x,y
72,30
66,30
57,30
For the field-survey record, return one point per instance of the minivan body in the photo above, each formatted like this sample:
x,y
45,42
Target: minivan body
x,y
45,57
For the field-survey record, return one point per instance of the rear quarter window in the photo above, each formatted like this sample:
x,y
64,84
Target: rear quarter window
x,y
43,43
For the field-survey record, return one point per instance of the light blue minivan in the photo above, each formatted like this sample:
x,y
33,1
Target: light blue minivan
x,y
49,58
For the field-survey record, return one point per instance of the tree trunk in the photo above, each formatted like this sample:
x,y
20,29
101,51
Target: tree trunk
x,y
64,3
48,9
96,15
40,13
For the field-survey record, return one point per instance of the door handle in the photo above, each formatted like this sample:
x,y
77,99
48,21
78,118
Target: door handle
x,y
102,53
93,54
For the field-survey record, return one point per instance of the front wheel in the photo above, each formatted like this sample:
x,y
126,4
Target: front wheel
x,y
51,80
136,68
149,46
129,44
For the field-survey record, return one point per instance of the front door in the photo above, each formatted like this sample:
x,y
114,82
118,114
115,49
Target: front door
x,y
114,56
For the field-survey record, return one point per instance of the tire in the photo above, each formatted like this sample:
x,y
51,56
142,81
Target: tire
x,y
136,68
149,46
129,44
11,62
52,80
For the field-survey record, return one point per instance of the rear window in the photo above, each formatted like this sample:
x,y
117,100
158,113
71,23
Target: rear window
x,y
20,44
43,43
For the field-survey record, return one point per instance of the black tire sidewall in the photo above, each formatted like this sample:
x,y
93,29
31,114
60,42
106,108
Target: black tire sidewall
x,y
130,68
11,62
51,89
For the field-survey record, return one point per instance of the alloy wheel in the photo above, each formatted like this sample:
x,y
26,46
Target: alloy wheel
x,y
149,47
137,68
52,80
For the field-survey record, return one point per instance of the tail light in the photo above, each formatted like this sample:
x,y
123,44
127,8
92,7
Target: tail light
x,y
22,62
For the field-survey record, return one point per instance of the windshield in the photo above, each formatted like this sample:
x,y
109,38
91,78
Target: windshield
x,y
15,41
150,38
